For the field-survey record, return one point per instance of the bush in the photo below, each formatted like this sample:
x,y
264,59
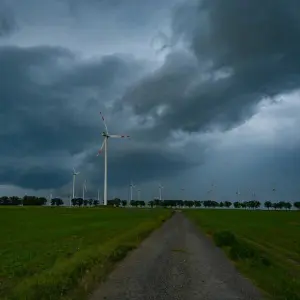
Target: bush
x,y
239,250
224,238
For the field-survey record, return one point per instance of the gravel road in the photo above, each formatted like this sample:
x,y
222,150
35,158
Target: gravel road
x,y
176,262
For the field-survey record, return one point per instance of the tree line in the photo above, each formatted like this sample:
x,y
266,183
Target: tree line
x,y
26,200
116,202
253,204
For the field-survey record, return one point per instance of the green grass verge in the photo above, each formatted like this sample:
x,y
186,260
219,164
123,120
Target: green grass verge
x,y
62,253
263,245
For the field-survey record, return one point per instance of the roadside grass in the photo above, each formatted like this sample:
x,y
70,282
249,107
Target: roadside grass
x,y
62,253
264,245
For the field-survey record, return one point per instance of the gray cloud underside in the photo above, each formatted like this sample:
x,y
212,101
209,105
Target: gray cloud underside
x,y
50,102
244,51
235,53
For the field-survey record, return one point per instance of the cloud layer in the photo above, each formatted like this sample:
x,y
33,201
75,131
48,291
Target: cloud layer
x,y
220,62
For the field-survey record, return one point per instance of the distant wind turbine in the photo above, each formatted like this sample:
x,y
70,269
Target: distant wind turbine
x,y
106,135
132,186
50,198
83,189
74,179
160,187
139,194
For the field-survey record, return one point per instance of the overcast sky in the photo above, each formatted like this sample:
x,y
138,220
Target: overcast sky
x,y
208,91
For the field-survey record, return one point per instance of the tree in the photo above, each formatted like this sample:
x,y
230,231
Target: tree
x,y
32,200
227,204
133,203
190,203
287,205
124,203
197,203
95,202
221,204
79,202
56,202
90,202
180,203
4,200
117,202
151,203
297,205
85,202
237,204
244,204
268,205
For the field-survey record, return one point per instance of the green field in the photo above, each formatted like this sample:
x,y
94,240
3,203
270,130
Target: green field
x,y
266,248
61,253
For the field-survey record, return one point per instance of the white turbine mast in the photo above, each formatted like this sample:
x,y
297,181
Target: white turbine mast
x,y
50,198
139,194
83,189
106,135
160,187
74,179
132,186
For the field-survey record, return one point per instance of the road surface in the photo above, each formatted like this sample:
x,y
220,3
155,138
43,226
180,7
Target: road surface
x,y
176,262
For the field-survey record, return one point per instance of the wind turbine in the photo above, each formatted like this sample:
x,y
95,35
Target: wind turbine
x,y
83,189
50,198
74,179
132,186
238,193
139,194
106,135
160,187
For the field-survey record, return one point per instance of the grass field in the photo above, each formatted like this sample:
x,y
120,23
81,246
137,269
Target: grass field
x,y
61,253
266,247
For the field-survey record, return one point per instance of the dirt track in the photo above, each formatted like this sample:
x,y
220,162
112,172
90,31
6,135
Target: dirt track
x,y
176,262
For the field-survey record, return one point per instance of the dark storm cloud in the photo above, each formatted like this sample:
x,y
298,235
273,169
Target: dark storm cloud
x,y
34,177
42,111
49,112
7,20
244,50
139,165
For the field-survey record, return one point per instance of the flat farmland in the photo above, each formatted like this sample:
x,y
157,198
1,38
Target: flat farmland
x,y
61,253
264,245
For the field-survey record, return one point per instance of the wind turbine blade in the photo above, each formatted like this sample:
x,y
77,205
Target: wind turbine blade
x,y
119,136
100,150
104,122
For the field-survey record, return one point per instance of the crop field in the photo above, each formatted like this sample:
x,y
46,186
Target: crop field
x,y
264,245
61,253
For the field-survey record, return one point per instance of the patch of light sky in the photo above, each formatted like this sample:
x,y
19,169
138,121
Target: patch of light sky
x,y
275,118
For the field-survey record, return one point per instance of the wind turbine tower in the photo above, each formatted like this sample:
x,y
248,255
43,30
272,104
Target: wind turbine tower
x,y
83,189
104,145
74,179
132,186
160,187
